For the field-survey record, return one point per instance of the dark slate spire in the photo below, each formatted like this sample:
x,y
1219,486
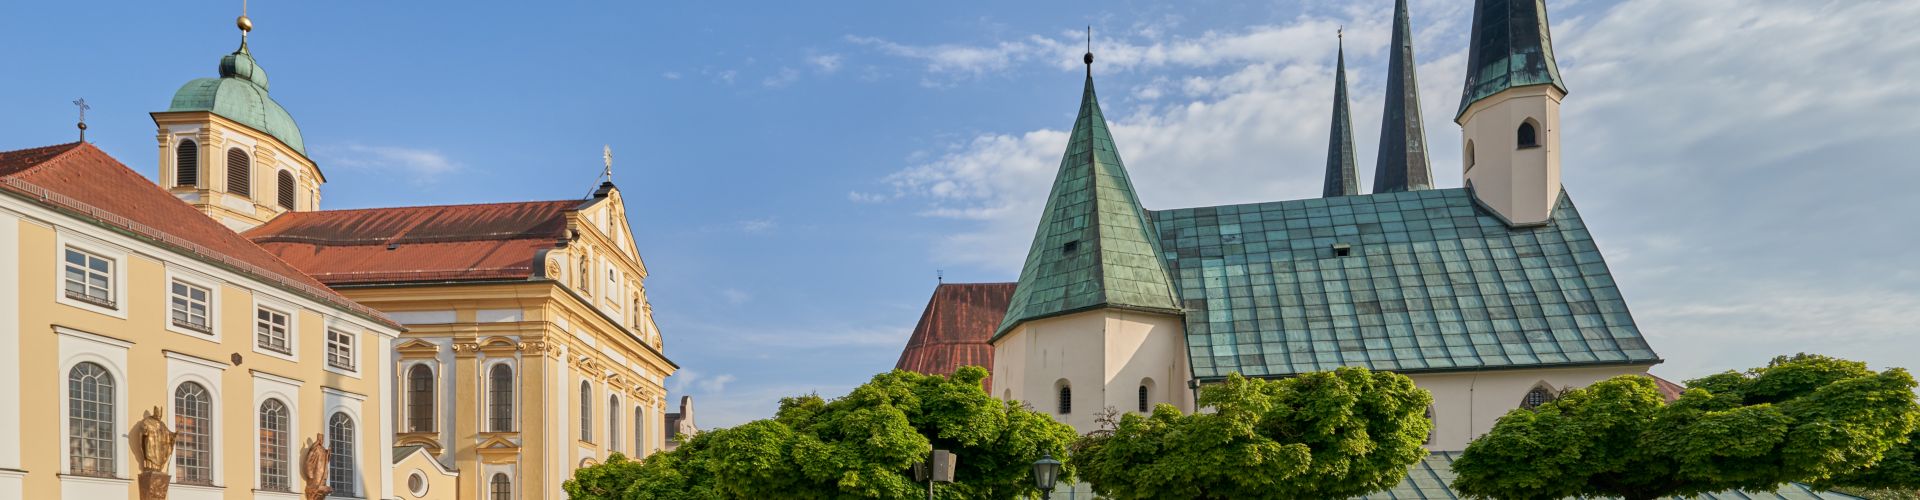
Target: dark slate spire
x,y
1511,48
1402,163
1341,179
1095,246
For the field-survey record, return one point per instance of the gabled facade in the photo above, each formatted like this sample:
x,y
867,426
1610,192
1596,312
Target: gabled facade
x,y
121,302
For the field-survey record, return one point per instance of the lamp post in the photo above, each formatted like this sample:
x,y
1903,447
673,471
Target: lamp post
x,y
1046,471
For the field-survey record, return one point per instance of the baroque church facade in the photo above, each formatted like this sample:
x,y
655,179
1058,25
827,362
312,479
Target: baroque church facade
x,y
1492,296
480,351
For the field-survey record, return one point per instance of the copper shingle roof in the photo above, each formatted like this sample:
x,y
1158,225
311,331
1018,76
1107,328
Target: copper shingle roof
x,y
408,244
62,176
953,331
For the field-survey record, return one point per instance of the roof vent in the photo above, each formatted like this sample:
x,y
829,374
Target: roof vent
x,y
1342,250
392,246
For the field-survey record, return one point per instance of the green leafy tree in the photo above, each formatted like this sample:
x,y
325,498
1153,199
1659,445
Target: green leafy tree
x,y
1334,434
858,446
1806,418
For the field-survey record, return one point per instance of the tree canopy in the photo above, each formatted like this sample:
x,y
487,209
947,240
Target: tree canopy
x,y
858,446
1333,434
1807,418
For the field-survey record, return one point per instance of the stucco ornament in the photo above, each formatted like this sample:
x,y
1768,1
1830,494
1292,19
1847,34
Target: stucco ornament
x,y
314,468
153,446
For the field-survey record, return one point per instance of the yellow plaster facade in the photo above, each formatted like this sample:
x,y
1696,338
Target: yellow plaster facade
x,y
569,329
211,142
47,338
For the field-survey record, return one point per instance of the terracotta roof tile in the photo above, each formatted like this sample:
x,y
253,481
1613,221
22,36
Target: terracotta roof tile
x,y
428,243
954,330
79,178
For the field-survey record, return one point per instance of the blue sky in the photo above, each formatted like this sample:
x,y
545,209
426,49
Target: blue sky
x,y
797,171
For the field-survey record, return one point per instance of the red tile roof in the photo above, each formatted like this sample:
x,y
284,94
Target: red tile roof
x,y
62,176
1669,390
953,331
410,244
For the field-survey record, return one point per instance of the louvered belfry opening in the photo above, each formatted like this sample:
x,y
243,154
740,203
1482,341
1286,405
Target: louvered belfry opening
x,y
239,173
186,164
285,182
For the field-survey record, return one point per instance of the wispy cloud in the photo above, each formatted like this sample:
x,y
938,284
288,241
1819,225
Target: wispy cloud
x,y
736,296
671,75
757,226
421,165
825,63
782,78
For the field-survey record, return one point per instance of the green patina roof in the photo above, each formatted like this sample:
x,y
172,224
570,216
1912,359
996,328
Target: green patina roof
x,y
240,94
1511,48
1431,281
1402,162
1113,259
1429,479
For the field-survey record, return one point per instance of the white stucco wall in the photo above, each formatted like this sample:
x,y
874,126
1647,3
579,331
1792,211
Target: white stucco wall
x,y
1466,404
1520,184
1103,354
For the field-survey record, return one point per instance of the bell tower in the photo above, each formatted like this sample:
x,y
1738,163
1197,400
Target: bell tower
x,y
1510,112
229,150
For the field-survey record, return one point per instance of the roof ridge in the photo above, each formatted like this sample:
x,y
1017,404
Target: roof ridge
x,y
455,205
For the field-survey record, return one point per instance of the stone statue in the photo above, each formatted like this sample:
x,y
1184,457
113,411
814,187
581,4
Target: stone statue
x,y
314,468
153,447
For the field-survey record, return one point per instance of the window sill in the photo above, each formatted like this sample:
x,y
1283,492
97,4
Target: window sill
x,y
1536,146
193,327
288,356
90,300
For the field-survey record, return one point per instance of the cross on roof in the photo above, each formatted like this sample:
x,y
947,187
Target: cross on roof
x,y
82,104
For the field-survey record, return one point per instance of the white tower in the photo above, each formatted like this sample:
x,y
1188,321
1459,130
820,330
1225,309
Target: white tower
x,y
1510,112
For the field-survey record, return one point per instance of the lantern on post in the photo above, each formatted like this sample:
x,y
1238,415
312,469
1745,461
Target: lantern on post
x,y
1046,472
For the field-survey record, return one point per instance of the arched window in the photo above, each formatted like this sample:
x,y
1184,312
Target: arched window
x,y
1528,136
1143,398
639,431
1536,397
586,412
613,422
500,398
340,462
239,173
1066,400
193,434
1432,428
285,183
1470,158
90,419
275,455
186,164
420,399
500,488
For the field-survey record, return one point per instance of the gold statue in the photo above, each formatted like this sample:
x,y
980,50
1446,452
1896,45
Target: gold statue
x,y
153,447
314,469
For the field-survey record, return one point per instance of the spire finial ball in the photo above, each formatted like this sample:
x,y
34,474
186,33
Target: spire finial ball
x,y
1088,58
244,23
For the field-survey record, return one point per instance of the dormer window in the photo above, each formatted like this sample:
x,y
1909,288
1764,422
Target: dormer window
x,y
1528,136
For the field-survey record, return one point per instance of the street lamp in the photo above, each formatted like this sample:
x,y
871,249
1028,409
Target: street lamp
x,y
1045,472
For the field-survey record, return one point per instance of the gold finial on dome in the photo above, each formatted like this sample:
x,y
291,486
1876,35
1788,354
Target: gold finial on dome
x,y
243,22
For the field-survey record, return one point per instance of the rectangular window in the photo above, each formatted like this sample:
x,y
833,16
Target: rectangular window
x,y
270,331
340,349
190,307
89,278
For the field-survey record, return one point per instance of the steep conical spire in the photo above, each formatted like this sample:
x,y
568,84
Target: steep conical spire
x,y
1402,163
1510,48
1095,246
1341,180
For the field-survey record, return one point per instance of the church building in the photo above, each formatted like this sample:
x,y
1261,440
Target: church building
x,y
1492,296
480,351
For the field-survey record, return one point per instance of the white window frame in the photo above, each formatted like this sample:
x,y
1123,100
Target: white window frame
x,y
268,386
182,368
213,303
76,347
351,346
340,401
117,260
293,327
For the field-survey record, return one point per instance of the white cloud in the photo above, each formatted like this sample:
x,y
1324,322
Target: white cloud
x,y
671,75
825,63
422,165
782,78
757,226
735,296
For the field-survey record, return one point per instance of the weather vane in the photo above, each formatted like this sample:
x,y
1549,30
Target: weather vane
x,y
82,104
606,154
